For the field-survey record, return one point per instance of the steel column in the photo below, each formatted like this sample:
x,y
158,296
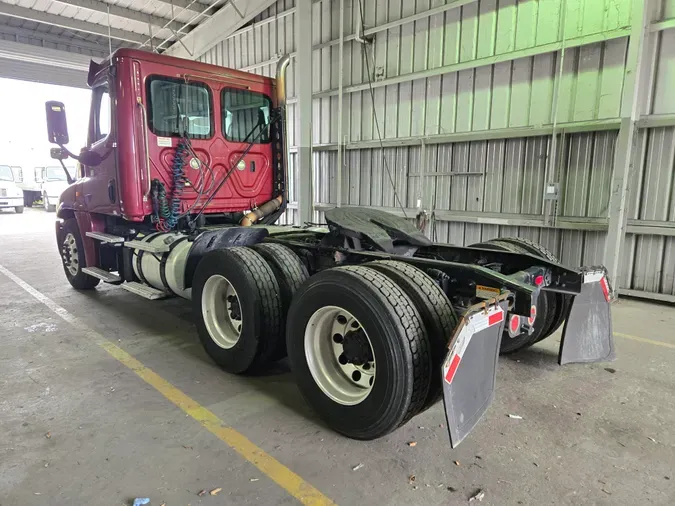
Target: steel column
x,y
623,157
303,80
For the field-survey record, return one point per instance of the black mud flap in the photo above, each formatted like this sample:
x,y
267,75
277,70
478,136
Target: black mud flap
x,y
587,336
470,368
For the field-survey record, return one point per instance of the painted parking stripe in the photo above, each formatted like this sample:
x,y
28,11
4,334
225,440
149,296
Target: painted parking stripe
x,y
280,474
645,340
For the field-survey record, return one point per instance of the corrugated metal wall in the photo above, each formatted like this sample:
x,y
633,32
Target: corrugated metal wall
x,y
466,79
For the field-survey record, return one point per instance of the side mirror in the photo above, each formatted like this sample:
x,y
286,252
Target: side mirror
x,y
58,154
57,126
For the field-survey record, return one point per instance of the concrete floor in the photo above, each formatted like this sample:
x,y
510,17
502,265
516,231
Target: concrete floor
x,y
590,434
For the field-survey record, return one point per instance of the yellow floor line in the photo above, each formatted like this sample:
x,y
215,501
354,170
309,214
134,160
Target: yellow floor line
x,y
645,340
280,474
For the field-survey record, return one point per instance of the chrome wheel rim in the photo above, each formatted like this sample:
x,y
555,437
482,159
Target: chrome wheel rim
x,y
340,355
221,310
71,260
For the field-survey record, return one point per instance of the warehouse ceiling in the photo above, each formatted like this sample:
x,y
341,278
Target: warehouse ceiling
x,y
52,41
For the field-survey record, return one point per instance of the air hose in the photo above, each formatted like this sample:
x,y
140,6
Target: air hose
x,y
166,210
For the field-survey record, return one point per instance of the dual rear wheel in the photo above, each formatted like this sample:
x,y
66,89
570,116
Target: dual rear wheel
x,y
365,343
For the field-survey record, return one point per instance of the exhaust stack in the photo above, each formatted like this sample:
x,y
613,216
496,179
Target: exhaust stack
x,y
281,147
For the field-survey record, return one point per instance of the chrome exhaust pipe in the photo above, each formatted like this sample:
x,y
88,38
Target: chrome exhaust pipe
x,y
282,66
273,206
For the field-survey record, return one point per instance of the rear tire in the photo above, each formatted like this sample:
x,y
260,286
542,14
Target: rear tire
x,y
18,209
72,257
512,344
437,314
562,302
290,273
236,303
395,337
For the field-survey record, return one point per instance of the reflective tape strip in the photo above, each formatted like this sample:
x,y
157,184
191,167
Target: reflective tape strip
x,y
476,323
605,288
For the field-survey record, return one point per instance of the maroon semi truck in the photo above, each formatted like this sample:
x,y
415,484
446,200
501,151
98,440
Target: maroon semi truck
x,y
177,192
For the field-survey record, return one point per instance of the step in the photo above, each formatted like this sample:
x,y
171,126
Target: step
x,y
108,277
145,291
103,237
150,248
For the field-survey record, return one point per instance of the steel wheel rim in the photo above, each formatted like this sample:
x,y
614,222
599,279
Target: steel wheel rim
x,y
348,383
221,309
71,260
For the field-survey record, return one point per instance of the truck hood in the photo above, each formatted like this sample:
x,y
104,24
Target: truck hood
x,y
11,188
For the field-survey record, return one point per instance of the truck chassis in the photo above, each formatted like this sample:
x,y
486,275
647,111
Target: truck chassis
x,y
368,297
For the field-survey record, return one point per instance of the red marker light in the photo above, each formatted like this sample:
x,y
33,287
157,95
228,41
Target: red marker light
x,y
539,280
533,315
514,324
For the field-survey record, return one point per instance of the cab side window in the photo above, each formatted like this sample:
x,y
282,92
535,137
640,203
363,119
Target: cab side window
x,y
100,127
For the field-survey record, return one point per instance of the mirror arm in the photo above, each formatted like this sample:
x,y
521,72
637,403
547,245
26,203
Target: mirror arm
x,y
68,176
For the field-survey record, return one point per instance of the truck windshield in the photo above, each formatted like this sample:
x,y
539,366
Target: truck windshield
x,y
55,174
245,114
177,107
6,173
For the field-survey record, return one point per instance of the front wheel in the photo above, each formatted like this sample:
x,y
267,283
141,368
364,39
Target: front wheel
x,y
19,209
72,257
50,208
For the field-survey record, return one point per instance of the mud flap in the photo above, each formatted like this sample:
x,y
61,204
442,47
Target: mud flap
x,y
470,368
587,336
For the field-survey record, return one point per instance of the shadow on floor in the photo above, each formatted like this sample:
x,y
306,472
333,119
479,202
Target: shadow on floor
x,y
172,319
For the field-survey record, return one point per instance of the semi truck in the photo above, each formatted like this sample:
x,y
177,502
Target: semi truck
x,y
178,196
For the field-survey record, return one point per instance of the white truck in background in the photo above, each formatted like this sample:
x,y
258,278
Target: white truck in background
x,y
11,195
44,183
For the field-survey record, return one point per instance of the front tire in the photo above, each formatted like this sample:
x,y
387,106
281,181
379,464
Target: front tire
x,y
72,257
358,351
18,209
236,303
48,207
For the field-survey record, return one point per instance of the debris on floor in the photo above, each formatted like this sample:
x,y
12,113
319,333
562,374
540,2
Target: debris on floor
x,y
516,417
357,467
48,435
477,496
254,479
456,462
411,479
140,501
412,443
651,439
201,493
216,491
452,489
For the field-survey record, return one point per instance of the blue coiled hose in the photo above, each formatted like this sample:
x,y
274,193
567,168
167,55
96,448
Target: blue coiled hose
x,y
166,211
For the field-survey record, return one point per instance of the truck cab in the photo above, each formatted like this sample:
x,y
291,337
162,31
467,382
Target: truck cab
x,y
146,109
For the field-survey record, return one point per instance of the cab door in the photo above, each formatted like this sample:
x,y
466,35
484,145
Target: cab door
x,y
99,184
